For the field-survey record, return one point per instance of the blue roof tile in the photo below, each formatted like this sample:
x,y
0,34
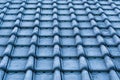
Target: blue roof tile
x,y
60,40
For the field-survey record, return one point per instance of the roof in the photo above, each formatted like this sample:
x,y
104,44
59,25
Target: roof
x,y
59,40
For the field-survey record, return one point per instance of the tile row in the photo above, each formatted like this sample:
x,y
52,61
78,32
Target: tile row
x,y
68,64
44,11
47,51
67,41
60,75
64,32
62,24
47,17
60,6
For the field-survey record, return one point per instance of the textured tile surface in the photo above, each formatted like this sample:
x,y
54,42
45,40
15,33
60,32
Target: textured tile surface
x,y
59,40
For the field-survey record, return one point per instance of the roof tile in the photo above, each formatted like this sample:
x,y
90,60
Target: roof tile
x,y
60,40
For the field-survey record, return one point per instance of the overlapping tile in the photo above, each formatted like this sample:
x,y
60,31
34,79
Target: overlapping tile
x,y
59,40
